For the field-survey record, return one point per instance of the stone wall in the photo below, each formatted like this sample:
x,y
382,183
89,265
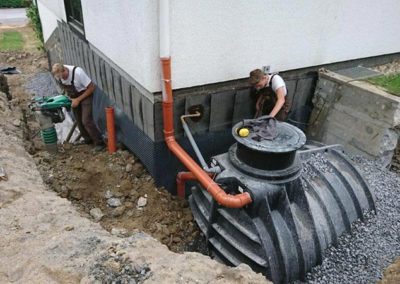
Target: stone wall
x,y
358,115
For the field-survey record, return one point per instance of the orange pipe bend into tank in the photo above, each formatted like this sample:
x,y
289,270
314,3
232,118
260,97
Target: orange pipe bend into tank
x,y
111,143
181,179
227,200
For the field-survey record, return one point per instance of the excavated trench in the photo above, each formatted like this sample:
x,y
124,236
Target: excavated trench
x,y
114,190
117,191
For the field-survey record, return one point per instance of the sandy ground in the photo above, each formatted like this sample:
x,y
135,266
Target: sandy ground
x,y
46,238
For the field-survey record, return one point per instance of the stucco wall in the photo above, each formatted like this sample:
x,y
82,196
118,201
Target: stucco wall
x,y
127,33
49,20
215,40
55,6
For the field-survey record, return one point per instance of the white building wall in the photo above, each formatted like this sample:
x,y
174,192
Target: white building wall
x,y
218,40
55,6
127,33
48,19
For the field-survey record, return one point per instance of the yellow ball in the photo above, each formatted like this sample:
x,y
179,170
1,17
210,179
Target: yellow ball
x,y
244,132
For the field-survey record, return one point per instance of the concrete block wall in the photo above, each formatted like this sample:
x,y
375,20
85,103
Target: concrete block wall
x,y
356,114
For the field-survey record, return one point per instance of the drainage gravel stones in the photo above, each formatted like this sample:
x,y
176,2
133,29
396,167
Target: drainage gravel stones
x,y
114,268
372,245
42,85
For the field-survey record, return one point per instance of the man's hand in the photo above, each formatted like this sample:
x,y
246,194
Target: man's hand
x,y
75,102
279,103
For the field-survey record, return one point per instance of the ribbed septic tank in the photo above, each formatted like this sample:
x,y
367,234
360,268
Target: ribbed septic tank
x,y
304,197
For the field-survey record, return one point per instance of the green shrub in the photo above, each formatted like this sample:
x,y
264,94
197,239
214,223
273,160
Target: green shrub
x,y
32,13
14,3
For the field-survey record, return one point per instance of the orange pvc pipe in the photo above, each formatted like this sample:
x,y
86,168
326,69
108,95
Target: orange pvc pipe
x,y
181,179
111,143
227,200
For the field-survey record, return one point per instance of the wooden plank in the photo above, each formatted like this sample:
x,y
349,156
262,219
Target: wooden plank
x,y
179,110
148,118
202,125
158,122
85,65
62,43
82,54
98,69
117,89
72,48
85,55
291,88
304,90
69,44
243,107
75,51
127,98
78,55
221,110
137,107
66,44
104,86
109,78
91,65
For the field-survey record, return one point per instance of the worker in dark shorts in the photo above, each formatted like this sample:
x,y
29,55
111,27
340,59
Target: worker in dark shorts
x,y
269,92
79,87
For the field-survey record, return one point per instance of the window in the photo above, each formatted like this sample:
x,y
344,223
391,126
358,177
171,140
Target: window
x,y
73,9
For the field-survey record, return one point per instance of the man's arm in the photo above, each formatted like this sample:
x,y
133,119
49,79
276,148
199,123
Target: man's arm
x,y
280,93
88,92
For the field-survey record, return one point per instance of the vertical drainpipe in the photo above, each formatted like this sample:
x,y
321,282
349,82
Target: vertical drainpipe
x,y
227,200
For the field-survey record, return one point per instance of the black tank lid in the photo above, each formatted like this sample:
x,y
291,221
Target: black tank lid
x,y
288,139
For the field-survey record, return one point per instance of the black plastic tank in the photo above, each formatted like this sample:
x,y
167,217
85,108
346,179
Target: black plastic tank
x,y
304,197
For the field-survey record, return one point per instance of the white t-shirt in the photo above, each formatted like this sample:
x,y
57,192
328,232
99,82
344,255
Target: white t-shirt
x,y
81,80
277,82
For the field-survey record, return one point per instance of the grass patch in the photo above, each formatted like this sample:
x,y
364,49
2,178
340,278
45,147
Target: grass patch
x,y
390,82
11,41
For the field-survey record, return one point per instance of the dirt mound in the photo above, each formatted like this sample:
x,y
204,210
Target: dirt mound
x,y
118,187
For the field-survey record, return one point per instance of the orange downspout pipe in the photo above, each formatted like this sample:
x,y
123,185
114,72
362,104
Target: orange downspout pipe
x,y
111,141
227,200
181,179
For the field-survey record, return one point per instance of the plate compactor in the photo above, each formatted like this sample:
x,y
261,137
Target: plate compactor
x,y
49,110
304,197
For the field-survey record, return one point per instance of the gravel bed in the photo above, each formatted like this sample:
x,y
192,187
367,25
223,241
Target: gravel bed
x,y
42,85
362,255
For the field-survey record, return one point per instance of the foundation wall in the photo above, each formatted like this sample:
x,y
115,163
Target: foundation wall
x,y
139,112
356,114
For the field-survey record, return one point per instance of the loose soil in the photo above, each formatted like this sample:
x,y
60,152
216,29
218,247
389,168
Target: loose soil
x,y
90,179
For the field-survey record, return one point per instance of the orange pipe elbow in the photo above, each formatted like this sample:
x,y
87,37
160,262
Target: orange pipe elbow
x,y
181,179
227,200
111,143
